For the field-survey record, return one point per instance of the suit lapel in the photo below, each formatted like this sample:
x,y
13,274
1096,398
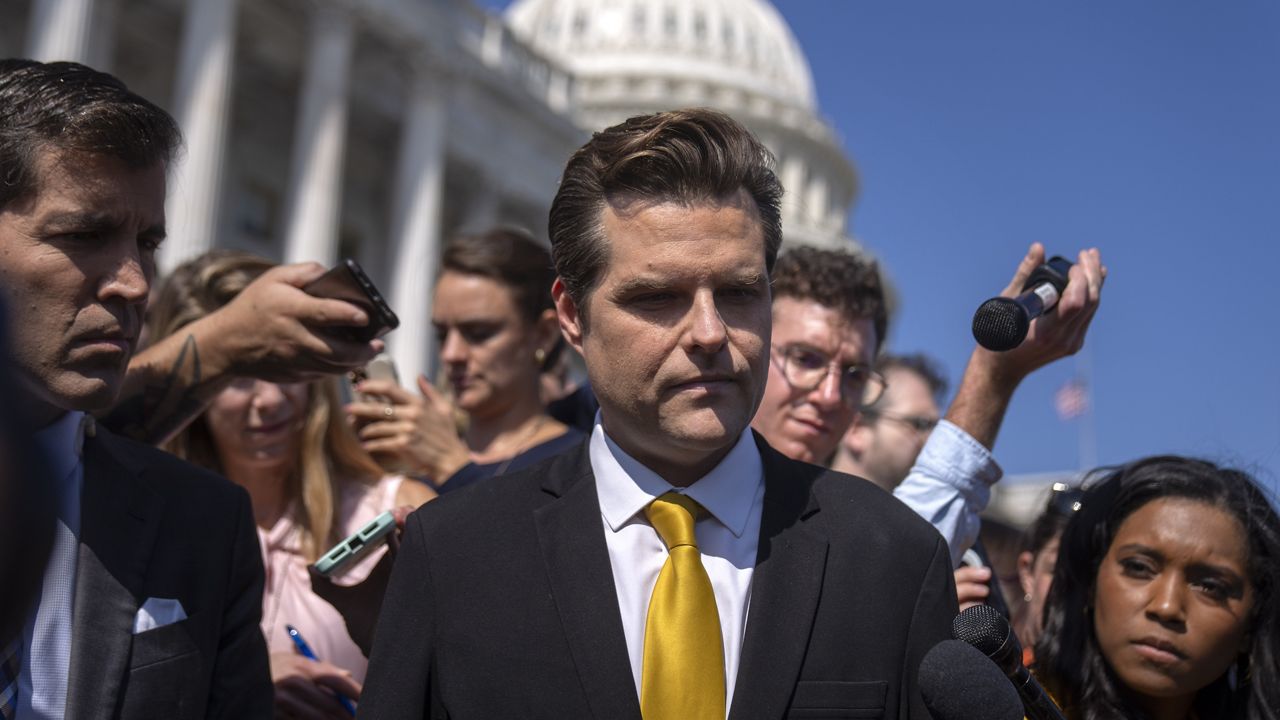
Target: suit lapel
x,y
577,562
784,590
119,519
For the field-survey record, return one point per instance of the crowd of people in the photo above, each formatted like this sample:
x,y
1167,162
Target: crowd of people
x,y
749,509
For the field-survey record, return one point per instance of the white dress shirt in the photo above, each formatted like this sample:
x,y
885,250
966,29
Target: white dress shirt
x,y
46,647
733,495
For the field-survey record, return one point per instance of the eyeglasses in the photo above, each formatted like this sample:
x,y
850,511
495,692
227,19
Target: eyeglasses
x,y
806,368
922,425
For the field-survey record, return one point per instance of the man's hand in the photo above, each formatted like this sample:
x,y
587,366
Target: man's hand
x,y
991,377
275,331
410,433
305,688
272,330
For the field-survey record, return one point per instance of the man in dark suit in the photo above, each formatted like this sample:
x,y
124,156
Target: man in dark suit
x,y
152,593
675,565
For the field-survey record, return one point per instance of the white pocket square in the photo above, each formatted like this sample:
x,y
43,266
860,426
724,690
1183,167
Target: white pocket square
x,y
156,613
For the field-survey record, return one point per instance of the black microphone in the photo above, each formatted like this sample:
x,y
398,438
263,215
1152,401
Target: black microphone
x,y
983,627
1002,323
960,683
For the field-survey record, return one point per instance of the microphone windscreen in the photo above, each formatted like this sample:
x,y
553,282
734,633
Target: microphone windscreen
x,y
959,683
1000,324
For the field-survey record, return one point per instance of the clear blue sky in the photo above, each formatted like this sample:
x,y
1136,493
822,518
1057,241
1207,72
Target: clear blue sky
x,y
1147,128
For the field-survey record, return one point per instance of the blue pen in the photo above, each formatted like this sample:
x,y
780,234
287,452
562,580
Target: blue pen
x,y
307,653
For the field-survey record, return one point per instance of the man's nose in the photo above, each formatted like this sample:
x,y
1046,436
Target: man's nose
x,y
828,394
127,277
707,331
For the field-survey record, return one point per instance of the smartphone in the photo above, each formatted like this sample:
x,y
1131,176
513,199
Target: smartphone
x,y
381,367
357,545
347,281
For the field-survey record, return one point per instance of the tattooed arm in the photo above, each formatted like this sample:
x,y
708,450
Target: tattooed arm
x,y
272,330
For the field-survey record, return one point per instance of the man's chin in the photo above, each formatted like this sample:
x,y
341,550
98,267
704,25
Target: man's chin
x,y
86,392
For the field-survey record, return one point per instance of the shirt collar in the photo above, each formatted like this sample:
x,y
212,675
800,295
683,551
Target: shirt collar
x,y
63,441
626,487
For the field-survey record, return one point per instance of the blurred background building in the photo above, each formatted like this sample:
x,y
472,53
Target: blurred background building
x,y
318,129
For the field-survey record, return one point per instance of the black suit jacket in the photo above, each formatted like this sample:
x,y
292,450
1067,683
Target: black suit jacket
x,y
153,526
502,603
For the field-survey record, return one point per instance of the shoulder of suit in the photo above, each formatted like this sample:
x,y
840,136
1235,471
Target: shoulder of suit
x,y
166,473
517,492
860,498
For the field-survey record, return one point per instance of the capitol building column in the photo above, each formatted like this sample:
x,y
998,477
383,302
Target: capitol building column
x,y
416,218
315,196
202,103
59,30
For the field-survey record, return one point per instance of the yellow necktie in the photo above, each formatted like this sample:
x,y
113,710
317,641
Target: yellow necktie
x,y
683,673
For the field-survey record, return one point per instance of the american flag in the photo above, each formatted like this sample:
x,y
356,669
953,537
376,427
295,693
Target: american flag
x,y
1072,399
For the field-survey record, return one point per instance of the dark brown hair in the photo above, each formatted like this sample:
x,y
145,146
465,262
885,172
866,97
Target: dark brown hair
x,y
511,257
844,281
683,156
67,106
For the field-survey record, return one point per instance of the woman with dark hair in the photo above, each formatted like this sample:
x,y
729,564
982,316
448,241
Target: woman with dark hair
x,y
497,333
1164,599
1036,561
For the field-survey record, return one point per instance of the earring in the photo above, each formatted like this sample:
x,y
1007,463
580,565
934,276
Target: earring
x,y
539,356
1026,598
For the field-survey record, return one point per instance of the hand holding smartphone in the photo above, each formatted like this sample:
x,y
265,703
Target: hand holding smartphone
x,y
348,282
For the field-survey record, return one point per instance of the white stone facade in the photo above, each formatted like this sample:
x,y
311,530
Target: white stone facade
x,y
318,129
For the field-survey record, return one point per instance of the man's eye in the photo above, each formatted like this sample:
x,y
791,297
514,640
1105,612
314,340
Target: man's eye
x,y
808,360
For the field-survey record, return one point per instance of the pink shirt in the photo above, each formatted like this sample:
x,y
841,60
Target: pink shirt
x,y
288,599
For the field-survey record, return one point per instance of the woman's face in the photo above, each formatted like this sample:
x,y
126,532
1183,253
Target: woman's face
x,y
1035,573
258,423
487,348
1173,598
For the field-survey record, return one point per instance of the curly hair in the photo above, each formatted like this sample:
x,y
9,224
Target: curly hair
x,y
1068,659
838,279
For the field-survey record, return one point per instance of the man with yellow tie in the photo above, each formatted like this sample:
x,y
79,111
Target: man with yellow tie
x,y
674,566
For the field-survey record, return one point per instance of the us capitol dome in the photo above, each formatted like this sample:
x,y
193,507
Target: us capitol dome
x,y
629,57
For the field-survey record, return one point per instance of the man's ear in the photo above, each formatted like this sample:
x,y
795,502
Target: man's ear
x,y
570,316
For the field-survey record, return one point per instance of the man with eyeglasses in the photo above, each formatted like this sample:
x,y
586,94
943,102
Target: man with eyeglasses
x,y
829,319
886,437
829,323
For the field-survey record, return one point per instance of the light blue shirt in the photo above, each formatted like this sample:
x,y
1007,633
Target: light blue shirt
x,y
950,485
46,648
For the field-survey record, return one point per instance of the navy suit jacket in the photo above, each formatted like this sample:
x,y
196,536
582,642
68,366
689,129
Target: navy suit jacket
x,y
502,603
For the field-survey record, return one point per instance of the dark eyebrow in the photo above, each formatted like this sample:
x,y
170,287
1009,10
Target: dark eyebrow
x,y
64,222
638,284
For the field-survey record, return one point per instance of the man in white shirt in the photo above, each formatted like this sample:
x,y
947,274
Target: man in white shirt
x,y
675,565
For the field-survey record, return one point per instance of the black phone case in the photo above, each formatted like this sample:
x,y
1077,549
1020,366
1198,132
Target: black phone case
x,y
348,282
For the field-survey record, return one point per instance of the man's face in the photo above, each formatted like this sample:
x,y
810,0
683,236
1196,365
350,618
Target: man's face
x,y
76,261
806,424
886,445
677,331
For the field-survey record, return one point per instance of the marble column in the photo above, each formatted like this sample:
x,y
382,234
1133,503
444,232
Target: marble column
x,y
315,190
60,30
792,175
202,106
415,239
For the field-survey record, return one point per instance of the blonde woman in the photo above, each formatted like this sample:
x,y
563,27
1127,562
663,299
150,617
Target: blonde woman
x,y
310,482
